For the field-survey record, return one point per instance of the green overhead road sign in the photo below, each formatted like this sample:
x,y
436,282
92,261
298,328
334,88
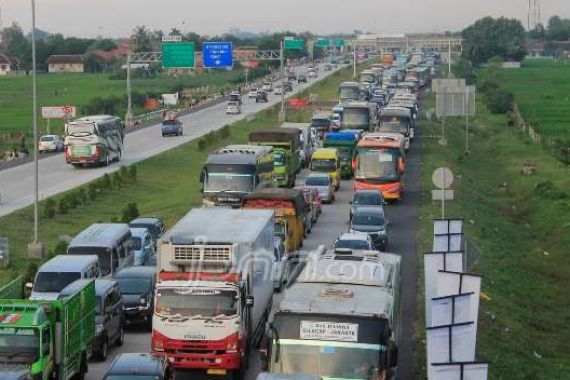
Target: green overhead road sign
x,y
339,42
323,42
176,55
293,44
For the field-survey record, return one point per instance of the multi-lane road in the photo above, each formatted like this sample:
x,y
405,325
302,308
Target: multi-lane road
x,y
402,240
55,176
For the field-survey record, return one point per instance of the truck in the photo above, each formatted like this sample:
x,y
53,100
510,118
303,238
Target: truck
x,y
46,339
286,143
214,289
340,319
361,115
290,211
306,141
350,91
345,142
234,171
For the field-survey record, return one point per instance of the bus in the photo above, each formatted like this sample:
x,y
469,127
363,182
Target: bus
x,y
350,91
359,115
94,140
235,171
379,164
397,120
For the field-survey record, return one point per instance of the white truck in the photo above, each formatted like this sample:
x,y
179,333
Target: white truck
x,y
214,289
340,319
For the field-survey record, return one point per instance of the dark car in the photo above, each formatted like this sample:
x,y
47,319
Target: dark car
x,y
288,86
138,366
362,198
154,225
109,318
261,97
302,78
172,128
291,76
371,220
137,286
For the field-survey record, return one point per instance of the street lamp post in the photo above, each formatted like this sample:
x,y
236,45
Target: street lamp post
x,y
35,123
282,55
129,114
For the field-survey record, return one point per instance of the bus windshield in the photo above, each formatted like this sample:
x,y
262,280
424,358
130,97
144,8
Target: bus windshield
x,y
18,345
356,117
380,165
81,129
326,359
196,302
228,182
349,93
367,77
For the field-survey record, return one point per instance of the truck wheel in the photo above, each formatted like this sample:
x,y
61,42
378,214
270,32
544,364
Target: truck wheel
x,y
121,338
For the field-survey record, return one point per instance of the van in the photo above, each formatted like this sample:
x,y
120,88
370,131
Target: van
x,y
111,242
137,286
56,274
327,160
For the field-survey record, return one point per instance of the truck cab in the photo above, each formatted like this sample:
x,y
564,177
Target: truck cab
x,y
327,160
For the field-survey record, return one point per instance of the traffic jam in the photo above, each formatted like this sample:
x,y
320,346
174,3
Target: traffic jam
x,y
236,276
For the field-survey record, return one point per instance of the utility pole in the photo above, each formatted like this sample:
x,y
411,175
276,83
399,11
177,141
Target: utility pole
x,y
466,110
35,124
449,59
354,59
129,114
282,56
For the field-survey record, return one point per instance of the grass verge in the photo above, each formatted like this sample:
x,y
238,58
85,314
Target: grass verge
x,y
522,224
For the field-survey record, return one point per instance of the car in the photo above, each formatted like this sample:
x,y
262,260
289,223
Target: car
x,y
50,143
137,286
172,127
354,241
291,75
154,225
368,198
328,67
267,87
324,184
233,108
288,86
311,195
235,97
143,244
252,94
278,90
261,97
371,220
312,74
301,78
109,318
131,366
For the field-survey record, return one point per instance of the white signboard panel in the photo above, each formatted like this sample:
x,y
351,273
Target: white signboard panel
x,y
460,371
452,343
434,262
451,310
59,112
447,226
345,332
447,243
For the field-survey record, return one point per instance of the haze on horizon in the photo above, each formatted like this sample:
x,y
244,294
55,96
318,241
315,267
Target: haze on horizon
x,y
117,18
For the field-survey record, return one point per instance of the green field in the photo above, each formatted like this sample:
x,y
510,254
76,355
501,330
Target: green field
x,y
522,225
80,89
168,190
542,91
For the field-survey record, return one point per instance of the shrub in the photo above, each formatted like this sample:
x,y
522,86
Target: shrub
x,y
72,201
92,191
82,196
105,183
133,172
202,145
59,249
225,132
63,206
130,212
49,208
117,180
499,101
31,270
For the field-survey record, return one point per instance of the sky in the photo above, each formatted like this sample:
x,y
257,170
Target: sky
x,y
117,18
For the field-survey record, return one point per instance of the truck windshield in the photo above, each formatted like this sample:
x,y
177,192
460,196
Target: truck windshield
x,y
352,93
323,165
54,282
196,302
344,154
229,182
104,254
278,159
326,359
357,117
395,124
279,229
81,129
18,345
367,77
377,164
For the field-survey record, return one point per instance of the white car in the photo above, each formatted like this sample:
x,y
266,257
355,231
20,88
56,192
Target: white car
x,y
267,87
312,74
50,143
252,93
233,108
278,90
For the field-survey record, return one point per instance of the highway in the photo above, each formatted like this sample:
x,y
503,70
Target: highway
x,y
332,222
17,183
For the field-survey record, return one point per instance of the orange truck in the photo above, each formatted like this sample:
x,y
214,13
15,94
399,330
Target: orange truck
x,y
380,163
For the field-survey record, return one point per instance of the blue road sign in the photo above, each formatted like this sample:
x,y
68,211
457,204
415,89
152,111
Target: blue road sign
x,y
217,54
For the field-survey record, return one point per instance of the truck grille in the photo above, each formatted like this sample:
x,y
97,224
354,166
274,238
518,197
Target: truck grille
x,y
195,253
186,253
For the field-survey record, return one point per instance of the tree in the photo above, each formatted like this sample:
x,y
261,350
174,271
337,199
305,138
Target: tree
x,y
141,38
462,68
14,44
558,29
489,37
104,44
175,32
538,33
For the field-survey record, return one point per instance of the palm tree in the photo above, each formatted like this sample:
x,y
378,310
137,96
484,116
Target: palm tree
x,y
141,39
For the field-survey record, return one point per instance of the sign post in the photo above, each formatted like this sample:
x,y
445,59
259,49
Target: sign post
x,y
59,112
442,178
217,54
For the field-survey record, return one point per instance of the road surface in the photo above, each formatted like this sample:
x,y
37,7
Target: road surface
x,y
17,185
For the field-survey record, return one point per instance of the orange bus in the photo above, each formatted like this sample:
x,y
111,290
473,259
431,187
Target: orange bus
x,y
380,163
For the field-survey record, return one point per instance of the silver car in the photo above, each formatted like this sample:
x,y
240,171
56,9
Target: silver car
x,y
324,184
50,143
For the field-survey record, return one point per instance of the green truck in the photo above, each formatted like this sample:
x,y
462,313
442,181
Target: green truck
x,y
46,339
286,143
345,142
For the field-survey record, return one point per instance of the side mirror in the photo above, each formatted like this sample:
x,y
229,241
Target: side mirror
x,y
249,301
29,285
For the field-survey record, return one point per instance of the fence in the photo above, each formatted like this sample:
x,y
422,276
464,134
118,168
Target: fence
x,y
527,128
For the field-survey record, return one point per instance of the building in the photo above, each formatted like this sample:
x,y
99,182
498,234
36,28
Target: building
x,y
66,64
9,64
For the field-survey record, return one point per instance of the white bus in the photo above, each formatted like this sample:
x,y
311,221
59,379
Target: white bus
x,y
94,140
